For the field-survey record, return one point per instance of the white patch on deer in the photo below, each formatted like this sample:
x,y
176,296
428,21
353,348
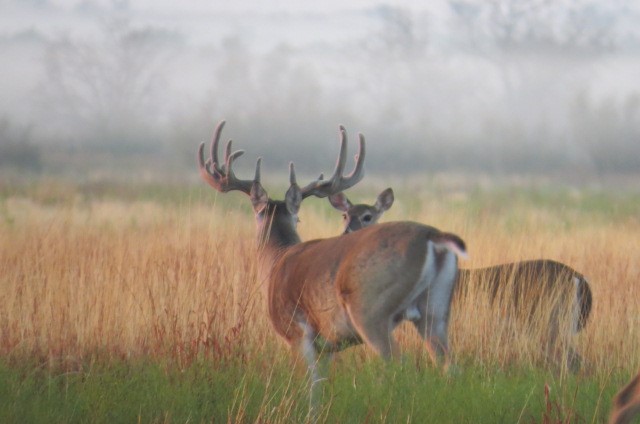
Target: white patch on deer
x,y
452,246
442,288
576,306
308,350
427,275
412,313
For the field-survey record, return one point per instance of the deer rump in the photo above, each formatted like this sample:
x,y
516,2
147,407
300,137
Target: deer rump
x,y
531,287
342,291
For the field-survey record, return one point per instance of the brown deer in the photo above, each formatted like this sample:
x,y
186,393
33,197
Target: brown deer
x,y
328,294
361,215
534,283
626,404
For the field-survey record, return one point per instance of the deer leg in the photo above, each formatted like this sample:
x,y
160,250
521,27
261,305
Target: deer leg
x,y
435,305
551,345
378,335
433,331
375,328
558,346
315,367
574,360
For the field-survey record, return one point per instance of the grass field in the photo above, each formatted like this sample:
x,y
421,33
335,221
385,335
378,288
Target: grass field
x,y
124,302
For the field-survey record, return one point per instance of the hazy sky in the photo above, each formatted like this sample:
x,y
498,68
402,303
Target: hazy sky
x,y
471,73
264,22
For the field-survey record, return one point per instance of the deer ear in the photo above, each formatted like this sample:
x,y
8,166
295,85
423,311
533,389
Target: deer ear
x,y
385,200
293,198
259,197
340,201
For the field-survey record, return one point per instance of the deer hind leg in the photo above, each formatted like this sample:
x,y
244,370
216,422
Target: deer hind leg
x,y
433,330
574,360
435,305
374,326
561,328
555,347
315,364
424,326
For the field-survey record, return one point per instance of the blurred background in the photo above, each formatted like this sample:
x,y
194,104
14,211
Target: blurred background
x,y
501,88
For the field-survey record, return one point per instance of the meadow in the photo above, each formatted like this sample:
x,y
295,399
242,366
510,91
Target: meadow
x,y
124,302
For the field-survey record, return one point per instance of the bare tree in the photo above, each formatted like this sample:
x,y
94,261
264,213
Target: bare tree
x,y
106,92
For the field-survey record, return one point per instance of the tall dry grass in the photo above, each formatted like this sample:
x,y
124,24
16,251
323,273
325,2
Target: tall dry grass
x,y
108,278
127,279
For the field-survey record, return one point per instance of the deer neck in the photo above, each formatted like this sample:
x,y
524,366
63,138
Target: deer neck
x,y
276,230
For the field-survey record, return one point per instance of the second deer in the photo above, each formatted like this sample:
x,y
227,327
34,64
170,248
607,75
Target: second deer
x,y
525,286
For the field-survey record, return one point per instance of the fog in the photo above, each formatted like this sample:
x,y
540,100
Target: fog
x,y
498,87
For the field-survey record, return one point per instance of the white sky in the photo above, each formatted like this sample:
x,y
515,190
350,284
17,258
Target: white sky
x,y
241,5
262,24
326,37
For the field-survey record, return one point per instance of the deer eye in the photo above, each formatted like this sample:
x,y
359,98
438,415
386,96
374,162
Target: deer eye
x,y
367,218
344,216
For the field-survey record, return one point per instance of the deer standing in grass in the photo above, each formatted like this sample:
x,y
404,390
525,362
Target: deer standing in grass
x,y
328,294
626,403
526,286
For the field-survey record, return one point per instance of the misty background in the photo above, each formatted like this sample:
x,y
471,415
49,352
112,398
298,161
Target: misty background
x,y
499,87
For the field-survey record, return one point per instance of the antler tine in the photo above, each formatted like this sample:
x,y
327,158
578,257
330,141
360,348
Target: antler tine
x,y
205,167
342,156
358,171
230,157
256,178
292,174
214,143
338,182
222,177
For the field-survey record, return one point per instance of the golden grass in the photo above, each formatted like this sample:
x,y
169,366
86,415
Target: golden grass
x,y
124,279
127,279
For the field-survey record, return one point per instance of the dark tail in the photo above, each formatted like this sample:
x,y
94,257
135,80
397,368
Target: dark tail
x,y
585,302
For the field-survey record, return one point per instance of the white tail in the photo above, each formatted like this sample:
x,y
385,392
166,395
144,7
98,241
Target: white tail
x,y
536,282
325,295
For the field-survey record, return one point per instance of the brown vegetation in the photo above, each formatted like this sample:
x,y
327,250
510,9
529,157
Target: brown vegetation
x,y
84,279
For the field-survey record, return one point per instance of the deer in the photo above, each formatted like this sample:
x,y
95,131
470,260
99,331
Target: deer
x,y
361,215
626,403
326,295
530,282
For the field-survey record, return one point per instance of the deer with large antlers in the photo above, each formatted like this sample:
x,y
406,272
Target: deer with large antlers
x,y
325,295
534,283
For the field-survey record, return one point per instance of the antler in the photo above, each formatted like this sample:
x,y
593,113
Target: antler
x,y
221,177
337,182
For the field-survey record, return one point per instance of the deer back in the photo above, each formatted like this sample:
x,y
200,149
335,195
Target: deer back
x,y
531,282
379,264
